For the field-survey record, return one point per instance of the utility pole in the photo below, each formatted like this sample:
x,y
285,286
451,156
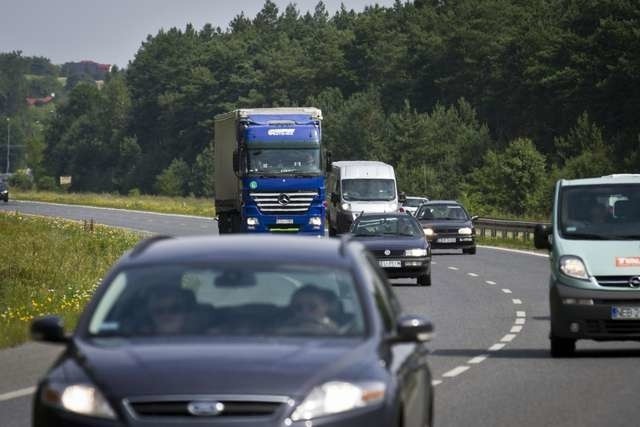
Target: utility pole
x,y
8,142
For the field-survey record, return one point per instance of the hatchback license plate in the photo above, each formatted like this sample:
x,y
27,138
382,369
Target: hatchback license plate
x,y
390,263
625,312
447,240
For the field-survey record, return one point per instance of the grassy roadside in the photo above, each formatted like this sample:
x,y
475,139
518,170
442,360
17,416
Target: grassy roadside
x,y
176,205
51,266
508,243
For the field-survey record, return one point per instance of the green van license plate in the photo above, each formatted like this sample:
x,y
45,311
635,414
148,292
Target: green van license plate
x,y
625,312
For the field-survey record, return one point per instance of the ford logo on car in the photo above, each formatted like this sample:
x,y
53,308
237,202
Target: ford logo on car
x,y
205,409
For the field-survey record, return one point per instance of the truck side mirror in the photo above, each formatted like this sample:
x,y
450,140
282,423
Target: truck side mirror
x,y
236,162
402,197
327,167
541,235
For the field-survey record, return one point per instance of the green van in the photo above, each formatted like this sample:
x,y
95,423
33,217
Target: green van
x,y
594,244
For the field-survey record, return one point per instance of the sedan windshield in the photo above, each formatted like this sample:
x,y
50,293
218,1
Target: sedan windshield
x,y
284,161
600,212
442,212
387,226
368,189
184,300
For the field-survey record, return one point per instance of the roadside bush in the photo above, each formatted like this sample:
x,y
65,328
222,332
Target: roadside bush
x,y
21,181
46,183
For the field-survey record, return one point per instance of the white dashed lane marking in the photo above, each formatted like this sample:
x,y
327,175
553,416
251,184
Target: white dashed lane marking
x,y
521,314
472,274
455,371
490,282
18,393
506,291
478,359
452,268
436,382
508,338
496,347
520,321
517,301
516,329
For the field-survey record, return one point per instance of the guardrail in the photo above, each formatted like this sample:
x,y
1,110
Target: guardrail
x,y
505,229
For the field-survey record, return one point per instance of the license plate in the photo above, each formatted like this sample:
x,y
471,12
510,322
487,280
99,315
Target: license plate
x,y
284,221
446,240
625,312
390,263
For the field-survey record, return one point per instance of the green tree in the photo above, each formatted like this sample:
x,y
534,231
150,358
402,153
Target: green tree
x,y
174,180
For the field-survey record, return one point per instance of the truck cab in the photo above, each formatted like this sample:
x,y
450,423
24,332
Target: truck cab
x,y
594,248
269,173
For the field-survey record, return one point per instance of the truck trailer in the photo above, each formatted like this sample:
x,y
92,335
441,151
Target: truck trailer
x,y
269,171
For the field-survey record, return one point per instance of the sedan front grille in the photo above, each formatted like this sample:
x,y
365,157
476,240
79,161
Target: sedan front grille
x,y
613,327
294,202
183,407
614,281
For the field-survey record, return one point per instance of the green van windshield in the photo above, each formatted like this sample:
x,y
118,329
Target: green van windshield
x,y
600,212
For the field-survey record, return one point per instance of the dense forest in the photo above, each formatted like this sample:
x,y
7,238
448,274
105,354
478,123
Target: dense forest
x,y
486,101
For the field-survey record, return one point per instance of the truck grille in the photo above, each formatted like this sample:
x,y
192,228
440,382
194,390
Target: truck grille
x,y
181,408
294,202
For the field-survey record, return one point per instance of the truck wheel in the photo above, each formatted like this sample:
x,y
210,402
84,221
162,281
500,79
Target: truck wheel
x,y
424,280
332,232
562,347
224,223
235,223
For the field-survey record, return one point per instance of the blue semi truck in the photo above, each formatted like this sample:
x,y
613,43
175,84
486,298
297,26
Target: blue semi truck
x,y
269,171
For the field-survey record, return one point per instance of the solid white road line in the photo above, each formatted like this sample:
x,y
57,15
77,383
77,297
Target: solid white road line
x,y
478,359
508,338
496,347
515,251
521,314
517,301
520,321
436,382
516,329
18,393
453,268
506,291
455,371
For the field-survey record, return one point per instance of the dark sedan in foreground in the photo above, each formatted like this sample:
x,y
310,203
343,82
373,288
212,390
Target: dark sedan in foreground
x,y
447,225
242,331
4,192
398,243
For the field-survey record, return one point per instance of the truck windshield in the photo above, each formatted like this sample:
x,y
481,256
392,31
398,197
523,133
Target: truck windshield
x,y
368,189
600,212
285,161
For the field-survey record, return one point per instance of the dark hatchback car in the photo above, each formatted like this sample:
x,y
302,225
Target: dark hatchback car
x,y
447,225
398,244
243,331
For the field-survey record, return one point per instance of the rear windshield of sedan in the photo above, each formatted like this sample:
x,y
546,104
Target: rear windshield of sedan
x,y
183,300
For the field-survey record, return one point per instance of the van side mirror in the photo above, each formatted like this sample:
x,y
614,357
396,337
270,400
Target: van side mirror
x,y
541,235
402,197
327,166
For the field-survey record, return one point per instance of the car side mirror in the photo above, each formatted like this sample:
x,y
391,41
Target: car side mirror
x,y
541,235
475,217
413,329
402,197
335,197
48,329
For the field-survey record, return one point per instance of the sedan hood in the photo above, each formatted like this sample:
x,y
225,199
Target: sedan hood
x,y
128,368
444,224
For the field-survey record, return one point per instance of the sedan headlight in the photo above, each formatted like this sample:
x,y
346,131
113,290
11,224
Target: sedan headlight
x,y
428,232
82,399
338,396
465,231
573,266
415,252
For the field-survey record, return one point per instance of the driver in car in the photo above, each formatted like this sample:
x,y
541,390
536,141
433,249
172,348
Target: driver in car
x,y
310,307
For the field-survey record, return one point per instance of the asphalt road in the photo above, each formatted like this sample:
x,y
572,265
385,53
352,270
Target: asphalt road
x,y
490,359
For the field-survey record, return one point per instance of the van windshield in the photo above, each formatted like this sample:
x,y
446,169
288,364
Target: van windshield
x,y
600,212
368,189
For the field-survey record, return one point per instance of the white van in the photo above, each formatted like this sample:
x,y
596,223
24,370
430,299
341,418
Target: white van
x,y
354,187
